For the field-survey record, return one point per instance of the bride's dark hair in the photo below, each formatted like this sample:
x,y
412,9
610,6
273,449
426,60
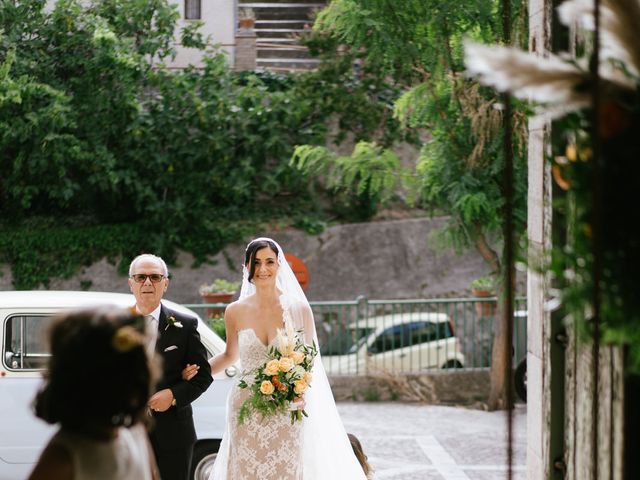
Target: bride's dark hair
x,y
252,249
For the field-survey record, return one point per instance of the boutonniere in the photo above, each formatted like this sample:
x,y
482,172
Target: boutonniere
x,y
172,322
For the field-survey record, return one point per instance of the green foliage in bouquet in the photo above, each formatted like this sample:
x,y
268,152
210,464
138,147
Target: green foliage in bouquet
x,y
275,386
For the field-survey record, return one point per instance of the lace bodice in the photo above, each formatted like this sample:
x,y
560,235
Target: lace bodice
x,y
260,448
252,351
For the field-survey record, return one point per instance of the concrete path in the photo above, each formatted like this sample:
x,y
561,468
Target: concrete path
x,y
425,442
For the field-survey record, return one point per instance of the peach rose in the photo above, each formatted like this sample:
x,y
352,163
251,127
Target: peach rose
x,y
273,366
267,387
286,364
298,357
300,386
307,377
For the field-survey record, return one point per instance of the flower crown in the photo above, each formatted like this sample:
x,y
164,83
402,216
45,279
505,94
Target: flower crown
x,y
126,338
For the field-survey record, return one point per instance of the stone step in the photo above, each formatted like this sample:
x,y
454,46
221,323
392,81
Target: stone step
x,y
284,23
280,61
281,40
280,45
282,11
282,4
285,66
278,24
278,31
300,16
282,53
274,33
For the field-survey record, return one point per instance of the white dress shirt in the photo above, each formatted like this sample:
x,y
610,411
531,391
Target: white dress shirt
x,y
152,321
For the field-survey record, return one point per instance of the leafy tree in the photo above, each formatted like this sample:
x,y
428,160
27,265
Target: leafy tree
x,y
419,43
99,139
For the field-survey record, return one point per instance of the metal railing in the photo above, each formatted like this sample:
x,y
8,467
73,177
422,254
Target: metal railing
x,y
368,336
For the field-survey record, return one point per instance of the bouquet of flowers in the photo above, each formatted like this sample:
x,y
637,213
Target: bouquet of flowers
x,y
282,379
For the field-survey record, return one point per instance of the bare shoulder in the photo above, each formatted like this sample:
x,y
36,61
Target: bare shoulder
x,y
55,463
233,308
236,310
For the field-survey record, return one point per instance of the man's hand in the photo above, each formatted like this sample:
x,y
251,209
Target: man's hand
x,y
161,401
190,371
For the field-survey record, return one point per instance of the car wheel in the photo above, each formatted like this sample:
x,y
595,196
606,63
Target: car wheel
x,y
520,380
452,364
204,454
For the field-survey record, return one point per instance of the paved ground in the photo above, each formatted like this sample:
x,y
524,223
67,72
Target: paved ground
x,y
425,442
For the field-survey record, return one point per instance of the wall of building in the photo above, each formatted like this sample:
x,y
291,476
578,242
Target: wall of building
x,y
561,393
219,23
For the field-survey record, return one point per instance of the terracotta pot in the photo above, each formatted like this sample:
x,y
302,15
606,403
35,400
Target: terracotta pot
x,y
484,309
215,298
246,23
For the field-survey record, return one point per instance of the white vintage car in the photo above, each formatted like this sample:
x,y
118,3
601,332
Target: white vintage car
x,y
23,320
404,342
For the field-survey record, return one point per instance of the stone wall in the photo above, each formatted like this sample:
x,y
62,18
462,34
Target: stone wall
x,y
245,53
450,387
386,259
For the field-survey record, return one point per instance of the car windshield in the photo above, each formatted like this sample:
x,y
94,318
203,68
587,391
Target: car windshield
x,y
345,341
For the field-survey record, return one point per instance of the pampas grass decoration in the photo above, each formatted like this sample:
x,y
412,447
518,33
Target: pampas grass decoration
x,y
527,76
619,21
563,85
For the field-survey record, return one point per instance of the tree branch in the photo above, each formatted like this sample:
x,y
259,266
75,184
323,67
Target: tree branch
x,y
482,246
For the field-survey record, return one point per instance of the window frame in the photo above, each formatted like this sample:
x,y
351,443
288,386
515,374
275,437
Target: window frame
x,y
22,343
194,3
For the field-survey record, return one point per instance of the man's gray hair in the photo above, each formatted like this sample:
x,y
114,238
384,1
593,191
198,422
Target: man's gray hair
x,y
149,256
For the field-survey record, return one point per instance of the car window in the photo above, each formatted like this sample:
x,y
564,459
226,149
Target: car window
x,y
25,346
393,337
409,334
345,341
423,332
428,331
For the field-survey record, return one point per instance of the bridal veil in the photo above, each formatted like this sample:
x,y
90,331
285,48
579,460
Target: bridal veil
x,y
326,450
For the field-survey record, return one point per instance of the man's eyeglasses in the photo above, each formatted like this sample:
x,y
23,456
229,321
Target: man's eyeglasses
x,y
141,277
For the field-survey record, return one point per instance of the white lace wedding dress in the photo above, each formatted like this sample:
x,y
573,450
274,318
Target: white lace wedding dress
x,y
316,448
265,449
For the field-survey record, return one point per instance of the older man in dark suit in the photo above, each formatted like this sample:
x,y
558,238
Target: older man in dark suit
x,y
175,339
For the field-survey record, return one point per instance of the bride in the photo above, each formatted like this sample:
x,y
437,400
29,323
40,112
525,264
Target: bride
x,y
271,448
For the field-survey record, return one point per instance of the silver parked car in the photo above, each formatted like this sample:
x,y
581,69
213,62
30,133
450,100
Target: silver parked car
x,y
24,317
406,342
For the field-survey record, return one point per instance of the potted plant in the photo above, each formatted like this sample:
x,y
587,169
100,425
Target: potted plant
x,y
246,18
220,291
216,323
484,287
